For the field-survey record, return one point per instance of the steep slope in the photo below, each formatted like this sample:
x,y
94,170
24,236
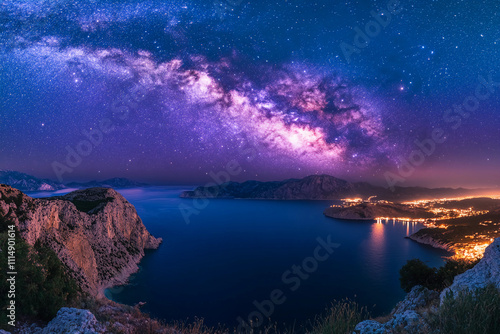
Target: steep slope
x,y
95,232
486,272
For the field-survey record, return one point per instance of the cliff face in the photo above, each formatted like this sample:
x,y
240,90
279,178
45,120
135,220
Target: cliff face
x,y
95,232
414,313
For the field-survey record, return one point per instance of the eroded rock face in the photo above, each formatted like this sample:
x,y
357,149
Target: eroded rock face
x,y
409,316
418,297
486,272
95,232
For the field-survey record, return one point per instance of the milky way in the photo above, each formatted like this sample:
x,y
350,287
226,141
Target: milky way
x,y
263,84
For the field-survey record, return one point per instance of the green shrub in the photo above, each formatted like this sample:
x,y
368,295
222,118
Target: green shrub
x,y
452,268
341,318
470,312
43,285
415,272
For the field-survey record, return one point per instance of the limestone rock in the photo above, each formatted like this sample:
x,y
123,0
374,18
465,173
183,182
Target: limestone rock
x,y
370,327
486,272
75,321
418,297
95,232
408,321
406,317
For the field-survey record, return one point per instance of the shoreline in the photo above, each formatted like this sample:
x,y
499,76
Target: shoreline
x,y
121,279
428,240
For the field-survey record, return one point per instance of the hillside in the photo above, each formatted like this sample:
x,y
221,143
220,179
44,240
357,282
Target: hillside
x,y
370,211
320,187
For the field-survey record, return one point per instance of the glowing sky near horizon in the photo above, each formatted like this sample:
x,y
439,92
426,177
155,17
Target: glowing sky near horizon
x,y
263,83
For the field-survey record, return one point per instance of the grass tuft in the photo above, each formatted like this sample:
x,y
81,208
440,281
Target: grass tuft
x,y
341,318
470,312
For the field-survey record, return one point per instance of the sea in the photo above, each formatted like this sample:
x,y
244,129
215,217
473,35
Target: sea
x,y
232,261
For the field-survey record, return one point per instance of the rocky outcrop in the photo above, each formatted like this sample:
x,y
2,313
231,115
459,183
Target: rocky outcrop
x,y
95,232
409,315
71,320
486,272
413,313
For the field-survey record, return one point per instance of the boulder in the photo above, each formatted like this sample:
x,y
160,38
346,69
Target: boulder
x,y
75,321
370,327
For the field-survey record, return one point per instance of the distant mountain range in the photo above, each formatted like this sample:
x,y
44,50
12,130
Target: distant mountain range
x,y
314,187
26,182
322,187
117,182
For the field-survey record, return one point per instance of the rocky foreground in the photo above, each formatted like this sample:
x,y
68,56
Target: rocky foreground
x,y
95,232
412,315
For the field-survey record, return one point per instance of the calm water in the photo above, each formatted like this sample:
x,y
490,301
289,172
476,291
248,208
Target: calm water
x,y
235,252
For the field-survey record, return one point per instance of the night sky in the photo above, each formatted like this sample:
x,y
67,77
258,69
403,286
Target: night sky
x,y
170,91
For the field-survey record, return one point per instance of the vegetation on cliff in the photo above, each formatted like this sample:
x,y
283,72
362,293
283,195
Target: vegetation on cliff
x,y
470,312
43,284
415,272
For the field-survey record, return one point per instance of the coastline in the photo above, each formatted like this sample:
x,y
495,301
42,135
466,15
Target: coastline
x,y
121,279
428,240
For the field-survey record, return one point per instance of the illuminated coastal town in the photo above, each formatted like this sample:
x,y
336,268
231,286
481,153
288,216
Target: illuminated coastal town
x,y
464,225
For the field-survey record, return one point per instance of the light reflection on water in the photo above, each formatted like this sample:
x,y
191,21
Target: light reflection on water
x,y
235,252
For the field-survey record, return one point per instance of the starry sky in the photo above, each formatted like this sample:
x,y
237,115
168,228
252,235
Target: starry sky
x,y
170,92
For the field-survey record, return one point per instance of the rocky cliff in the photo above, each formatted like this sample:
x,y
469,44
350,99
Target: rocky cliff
x,y
95,232
409,315
413,314
486,272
